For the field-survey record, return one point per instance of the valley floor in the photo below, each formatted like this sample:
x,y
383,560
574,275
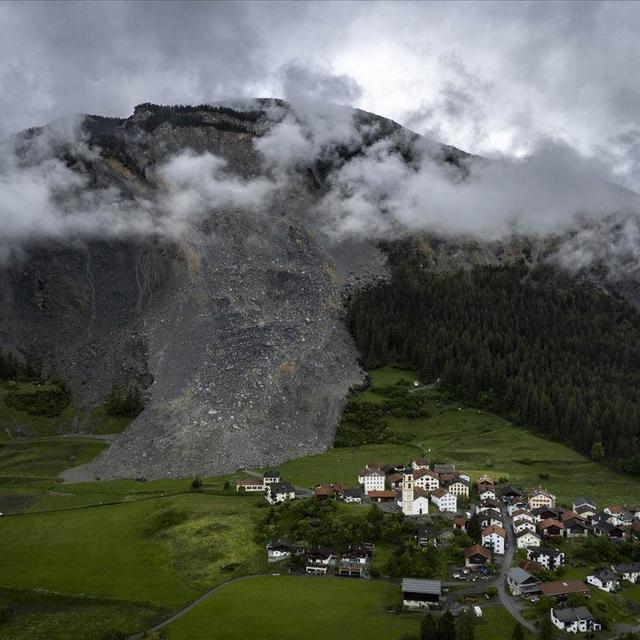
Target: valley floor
x,y
124,555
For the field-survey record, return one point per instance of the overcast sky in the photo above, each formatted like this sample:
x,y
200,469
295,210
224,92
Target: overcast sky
x,y
489,78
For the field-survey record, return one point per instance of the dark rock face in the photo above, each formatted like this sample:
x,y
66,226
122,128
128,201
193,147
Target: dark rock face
x,y
234,330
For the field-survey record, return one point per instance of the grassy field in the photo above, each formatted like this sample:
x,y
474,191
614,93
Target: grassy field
x,y
297,607
477,442
496,623
146,556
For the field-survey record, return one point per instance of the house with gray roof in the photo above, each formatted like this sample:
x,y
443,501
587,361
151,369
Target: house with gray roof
x,y
421,594
521,582
574,620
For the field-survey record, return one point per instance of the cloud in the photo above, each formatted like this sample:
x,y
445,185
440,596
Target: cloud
x,y
43,198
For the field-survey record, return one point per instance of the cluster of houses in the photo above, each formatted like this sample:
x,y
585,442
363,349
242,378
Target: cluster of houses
x,y
274,488
415,486
355,562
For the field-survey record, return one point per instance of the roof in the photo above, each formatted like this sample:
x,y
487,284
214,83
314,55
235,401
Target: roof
x,y
459,521
615,508
485,479
561,587
572,614
354,493
438,493
550,522
271,473
248,482
490,513
581,501
520,576
540,491
444,468
371,472
414,585
420,493
421,473
420,461
604,575
394,477
632,567
477,549
494,529
281,487
546,551
426,532
387,493
527,532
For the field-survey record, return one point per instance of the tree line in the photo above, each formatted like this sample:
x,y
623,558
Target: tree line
x,y
531,344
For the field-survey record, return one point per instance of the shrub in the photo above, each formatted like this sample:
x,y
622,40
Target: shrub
x,y
45,399
124,403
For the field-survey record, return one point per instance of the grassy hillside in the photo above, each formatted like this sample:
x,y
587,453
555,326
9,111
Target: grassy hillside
x,y
297,607
478,442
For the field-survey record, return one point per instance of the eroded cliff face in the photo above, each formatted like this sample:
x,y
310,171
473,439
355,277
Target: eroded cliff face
x,y
234,328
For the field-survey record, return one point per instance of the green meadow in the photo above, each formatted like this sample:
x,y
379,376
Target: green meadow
x,y
295,607
477,442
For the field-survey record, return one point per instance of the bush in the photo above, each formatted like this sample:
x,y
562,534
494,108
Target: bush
x,y
124,403
162,520
196,484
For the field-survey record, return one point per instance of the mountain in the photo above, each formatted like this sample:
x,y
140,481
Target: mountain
x,y
233,330
207,280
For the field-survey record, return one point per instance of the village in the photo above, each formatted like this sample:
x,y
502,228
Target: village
x,y
521,540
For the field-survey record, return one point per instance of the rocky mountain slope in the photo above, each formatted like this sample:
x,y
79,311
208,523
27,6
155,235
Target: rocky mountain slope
x,y
234,329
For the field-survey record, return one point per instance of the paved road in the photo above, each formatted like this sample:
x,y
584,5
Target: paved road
x,y
508,602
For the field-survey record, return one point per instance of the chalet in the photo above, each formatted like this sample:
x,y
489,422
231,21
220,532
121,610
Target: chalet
x,y
521,582
444,500
487,493
326,491
540,497
460,523
526,539
605,580
444,468
477,556
549,528
271,476
373,478
318,561
279,492
585,511
509,492
574,620
576,528
608,529
517,505
419,463
354,563
487,503
523,514
522,524
459,487
394,480
425,479
494,538
353,496
490,517
484,478
551,559
581,505
385,495
250,485
563,588
629,572
426,536
279,550
421,594
545,513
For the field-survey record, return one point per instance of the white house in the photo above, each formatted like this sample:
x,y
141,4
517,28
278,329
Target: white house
x,y
517,506
522,524
521,582
488,493
605,580
444,500
552,559
629,572
584,507
373,479
425,479
279,492
250,485
522,514
494,538
540,497
419,463
279,550
318,560
459,487
526,539
574,620
271,476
